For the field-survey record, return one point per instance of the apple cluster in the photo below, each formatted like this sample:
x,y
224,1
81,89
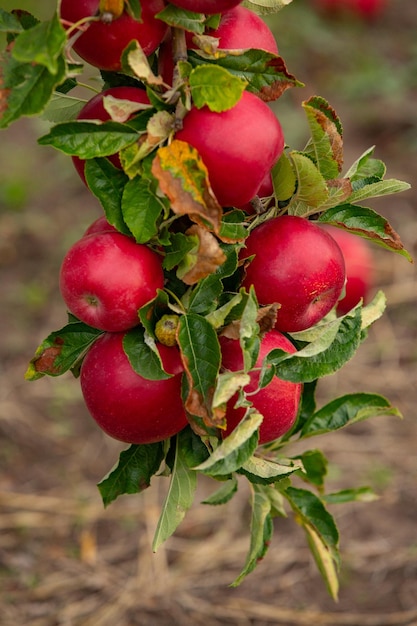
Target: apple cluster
x,y
106,277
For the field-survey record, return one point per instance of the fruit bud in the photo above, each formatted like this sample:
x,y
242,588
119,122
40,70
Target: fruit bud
x,y
166,330
110,10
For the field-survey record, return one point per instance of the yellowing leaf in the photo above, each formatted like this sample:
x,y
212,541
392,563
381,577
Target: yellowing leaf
x,y
120,110
183,178
138,62
216,87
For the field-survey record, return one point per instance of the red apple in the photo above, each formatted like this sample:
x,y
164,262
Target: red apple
x,y
297,264
265,191
359,263
239,29
278,402
94,110
125,405
102,44
100,225
239,146
106,277
206,6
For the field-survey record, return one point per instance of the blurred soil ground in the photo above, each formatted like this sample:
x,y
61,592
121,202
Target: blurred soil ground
x,y
64,560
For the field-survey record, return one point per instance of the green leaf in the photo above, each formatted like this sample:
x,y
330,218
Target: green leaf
x,y
336,343
249,332
215,87
307,408
143,355
311,511
325,561
205,296
284,179
348,409
153,310
179,498
360,494
321,531
315,467
141,208
366,167
312,191
107,184
133,472
369,188
374,310
261,532
366,223
326,145
218,317
9,23
193,449
265,73
233,227
200,351
235,449
182,246
62,108
134,9
264,471
27,87
181,18
224,494
89,139
264,7
62,350
43,44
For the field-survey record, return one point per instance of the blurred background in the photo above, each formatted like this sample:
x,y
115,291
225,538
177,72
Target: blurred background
x,y
66,561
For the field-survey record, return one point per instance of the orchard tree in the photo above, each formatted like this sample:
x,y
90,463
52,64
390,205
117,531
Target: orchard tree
x,y
203,303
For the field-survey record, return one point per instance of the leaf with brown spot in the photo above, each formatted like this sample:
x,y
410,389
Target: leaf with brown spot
x,y
61,350
326,144
366,223
266,318
208,257
265,72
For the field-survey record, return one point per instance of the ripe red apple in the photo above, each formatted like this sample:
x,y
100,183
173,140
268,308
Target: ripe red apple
x,y
102,43
239,146
106,277
265,191
278,402
100,225
206,6
359,263
297,264
94,110
125,405
239,29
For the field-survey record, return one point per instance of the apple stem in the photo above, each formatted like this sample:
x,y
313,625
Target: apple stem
x,y
179,45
